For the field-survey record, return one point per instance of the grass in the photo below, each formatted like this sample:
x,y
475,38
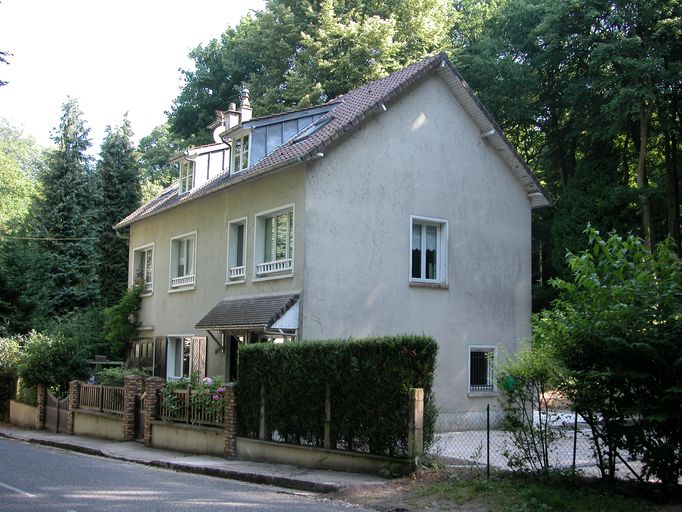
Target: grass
x,y
510,493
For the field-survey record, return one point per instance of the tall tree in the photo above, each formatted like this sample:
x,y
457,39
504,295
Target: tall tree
x,y
118,173
21,159
65,277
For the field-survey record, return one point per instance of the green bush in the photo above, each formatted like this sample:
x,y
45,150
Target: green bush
x,y
120,322
116,376
53,361
616,329
368,382
9,360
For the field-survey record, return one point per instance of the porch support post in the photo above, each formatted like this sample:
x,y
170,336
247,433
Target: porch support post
x,y
74,400
41,403
150,406
132,384
415,435
230,420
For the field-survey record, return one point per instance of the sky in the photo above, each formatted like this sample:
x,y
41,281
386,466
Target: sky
x,y
115,57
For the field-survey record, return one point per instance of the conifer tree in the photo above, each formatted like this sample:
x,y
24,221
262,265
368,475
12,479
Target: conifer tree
x,y
118,177
64,277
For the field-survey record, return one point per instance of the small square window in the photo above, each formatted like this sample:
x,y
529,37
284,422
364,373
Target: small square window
x,y
275,242
143,268
236,251
482,370
183,257
186,176
428,256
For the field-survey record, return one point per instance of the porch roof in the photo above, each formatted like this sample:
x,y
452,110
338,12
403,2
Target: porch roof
x,y
247,313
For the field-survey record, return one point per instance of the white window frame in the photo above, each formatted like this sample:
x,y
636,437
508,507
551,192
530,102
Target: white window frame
x,y
441,252
186,176
274,269
236,275
491,370
241,153
170,362
190,277
147,286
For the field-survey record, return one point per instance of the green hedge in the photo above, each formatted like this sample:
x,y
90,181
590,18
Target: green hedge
x,y
368,380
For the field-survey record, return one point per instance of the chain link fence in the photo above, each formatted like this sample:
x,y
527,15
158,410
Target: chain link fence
x,y
475,440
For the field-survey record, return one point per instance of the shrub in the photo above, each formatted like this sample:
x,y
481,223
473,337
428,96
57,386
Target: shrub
x,y
368,382
9,360
53,361
116,376
206,394
530,381
616,328
120,322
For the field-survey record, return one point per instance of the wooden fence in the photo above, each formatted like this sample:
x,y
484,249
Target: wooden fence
x,y
101,398
192,407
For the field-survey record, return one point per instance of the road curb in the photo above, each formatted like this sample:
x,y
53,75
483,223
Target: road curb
x,y
254,478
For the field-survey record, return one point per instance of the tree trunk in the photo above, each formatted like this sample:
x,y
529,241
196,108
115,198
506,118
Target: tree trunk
x,y
673,192
642,179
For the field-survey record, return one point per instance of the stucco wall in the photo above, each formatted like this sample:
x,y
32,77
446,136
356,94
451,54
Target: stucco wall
x,y
176,312
22,415
95,424
188,438
425,157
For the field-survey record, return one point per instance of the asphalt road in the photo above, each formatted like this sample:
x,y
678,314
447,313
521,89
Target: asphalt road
x,y
41,479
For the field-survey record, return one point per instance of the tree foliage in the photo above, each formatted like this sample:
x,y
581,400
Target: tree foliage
x,y
120,324
616,329
65,276
119,192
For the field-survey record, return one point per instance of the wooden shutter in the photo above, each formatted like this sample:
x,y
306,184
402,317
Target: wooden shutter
x,y
198,355
160,356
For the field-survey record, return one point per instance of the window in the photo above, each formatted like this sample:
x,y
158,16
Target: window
x,y
240,153
481,369
143,268
186,176
183,255
236,251
428,258
275,242
185,355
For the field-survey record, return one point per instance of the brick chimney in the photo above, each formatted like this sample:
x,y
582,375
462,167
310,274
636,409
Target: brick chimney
x,y
245,107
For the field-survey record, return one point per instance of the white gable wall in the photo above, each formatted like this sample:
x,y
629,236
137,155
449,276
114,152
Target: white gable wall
x,y
425,157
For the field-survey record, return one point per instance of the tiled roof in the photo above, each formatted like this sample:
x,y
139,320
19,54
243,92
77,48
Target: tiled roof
x,y
350,110
247,313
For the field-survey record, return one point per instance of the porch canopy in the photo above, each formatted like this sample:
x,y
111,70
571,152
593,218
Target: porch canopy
x,y
261,313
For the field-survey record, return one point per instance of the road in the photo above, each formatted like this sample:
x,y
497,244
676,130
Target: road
x,y
41,479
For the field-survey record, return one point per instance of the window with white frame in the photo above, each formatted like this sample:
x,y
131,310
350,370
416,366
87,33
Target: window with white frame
x,y
143,267
236,250
240,153
186,176
183,257
178,357
482,369
428,257
275,242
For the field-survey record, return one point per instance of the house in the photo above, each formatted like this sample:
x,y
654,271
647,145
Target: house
x,y
399,207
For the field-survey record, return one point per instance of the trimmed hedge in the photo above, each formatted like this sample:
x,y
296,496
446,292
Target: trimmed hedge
x,y
368,381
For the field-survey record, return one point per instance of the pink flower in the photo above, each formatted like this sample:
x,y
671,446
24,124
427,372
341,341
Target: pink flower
x,y
216,397
208,381
220,390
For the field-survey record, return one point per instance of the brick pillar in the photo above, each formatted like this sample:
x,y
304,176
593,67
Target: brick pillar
x,y
74,400
230,420
415,434
41,402
151,405
132,385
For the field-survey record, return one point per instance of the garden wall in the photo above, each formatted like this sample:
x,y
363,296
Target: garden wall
x,y
22,415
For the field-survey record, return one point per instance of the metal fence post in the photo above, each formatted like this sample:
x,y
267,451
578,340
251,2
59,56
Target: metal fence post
x,y
487,428
575,440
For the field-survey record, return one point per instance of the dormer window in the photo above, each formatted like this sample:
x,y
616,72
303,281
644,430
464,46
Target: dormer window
x,y
186,176
240,153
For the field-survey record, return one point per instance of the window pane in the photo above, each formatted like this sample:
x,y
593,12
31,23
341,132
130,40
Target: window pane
x,y
481,364
245,152
182,258
269,234
291,235
239,256
282,236
148,267
186,344
416,250
431,251
190,256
